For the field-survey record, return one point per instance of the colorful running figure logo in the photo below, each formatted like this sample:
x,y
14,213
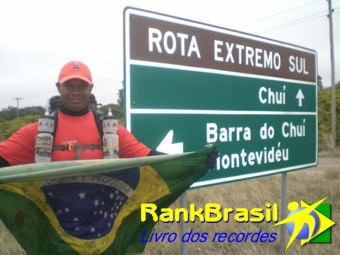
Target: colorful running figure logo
x,y
307,222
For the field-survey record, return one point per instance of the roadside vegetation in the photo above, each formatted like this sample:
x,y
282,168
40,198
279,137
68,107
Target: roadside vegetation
x,y
9,122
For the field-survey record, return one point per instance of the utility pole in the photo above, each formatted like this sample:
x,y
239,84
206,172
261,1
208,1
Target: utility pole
x,y
333,110
17,98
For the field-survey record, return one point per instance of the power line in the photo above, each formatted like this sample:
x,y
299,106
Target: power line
x,y
294,22
300,20
277,14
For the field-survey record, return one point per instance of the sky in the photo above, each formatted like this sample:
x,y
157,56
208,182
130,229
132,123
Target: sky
x,y
38,37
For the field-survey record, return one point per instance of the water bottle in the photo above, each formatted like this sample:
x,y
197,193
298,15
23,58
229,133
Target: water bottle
x,y
44,140
110,137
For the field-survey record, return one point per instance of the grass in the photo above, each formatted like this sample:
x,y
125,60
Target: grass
x,y
309,185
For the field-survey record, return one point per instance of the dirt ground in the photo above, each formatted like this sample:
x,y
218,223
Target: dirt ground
x,y
328,162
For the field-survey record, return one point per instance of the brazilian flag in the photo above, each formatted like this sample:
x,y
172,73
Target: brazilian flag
x,y
92,207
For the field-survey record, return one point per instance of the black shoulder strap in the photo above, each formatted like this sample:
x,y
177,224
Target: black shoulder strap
x,y
99,117
55,116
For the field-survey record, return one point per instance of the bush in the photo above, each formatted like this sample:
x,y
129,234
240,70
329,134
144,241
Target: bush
x,y
7,128
325,118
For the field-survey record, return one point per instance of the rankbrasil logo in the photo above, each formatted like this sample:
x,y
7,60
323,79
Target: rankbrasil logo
x,y
308,222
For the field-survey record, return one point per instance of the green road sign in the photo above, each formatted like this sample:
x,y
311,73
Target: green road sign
x,y
188,84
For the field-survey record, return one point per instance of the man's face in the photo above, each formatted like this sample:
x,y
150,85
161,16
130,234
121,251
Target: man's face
x,y
75,94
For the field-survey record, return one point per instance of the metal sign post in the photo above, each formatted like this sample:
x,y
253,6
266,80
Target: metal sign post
x,y
283,212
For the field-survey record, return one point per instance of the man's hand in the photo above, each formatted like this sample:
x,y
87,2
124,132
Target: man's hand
x,y
211,160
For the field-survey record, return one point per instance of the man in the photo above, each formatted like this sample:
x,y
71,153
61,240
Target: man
x,y
76,126
84,209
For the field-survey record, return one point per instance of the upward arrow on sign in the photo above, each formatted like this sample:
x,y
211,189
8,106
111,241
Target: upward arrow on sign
x,y
168,147
300,96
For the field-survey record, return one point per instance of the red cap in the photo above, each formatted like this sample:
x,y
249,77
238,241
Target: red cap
x,y
75,70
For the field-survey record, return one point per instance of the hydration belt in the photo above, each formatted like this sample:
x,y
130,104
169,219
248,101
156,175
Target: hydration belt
x,y
77,148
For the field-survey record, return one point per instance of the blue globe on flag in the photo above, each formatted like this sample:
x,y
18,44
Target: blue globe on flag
x,y
305,229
